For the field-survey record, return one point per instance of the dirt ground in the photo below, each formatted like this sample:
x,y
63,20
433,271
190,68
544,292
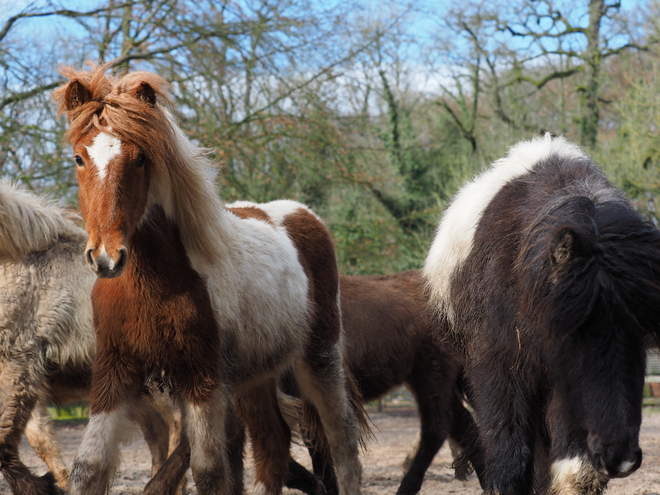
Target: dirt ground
x,y
394,431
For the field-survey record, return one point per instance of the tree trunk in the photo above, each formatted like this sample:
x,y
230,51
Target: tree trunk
x,y
592,70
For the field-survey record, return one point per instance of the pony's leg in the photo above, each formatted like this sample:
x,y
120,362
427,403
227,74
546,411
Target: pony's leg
x,y
258,407
170,479
507,426
114,399
156,433
39,432
20,387
317,446
235,448
323,381
171,414
204,425
558,469
98,456
464,442
301,479
433,387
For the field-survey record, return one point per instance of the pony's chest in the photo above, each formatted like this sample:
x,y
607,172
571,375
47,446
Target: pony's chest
x,y
155,314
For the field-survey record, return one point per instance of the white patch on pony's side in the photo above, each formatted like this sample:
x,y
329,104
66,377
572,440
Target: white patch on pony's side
x,y
104,148
241,260
453,239
265,267
277,210
565,473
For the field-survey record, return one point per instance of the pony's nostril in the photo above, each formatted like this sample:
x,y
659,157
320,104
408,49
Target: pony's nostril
x,y
89,257
123,256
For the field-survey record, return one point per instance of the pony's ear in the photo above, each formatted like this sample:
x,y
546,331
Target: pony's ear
x,y
76,94
564,246
146,93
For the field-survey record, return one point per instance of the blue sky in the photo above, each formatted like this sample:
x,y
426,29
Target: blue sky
x,y
419,27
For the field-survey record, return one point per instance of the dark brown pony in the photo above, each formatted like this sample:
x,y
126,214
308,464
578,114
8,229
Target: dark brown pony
x,y
549,281
390,341
209,303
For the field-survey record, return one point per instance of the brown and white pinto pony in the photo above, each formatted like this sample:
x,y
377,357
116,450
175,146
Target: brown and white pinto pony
x,y
209,302
550,282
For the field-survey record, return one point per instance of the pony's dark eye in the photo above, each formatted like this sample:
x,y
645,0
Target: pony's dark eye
x,y
79,161
140,161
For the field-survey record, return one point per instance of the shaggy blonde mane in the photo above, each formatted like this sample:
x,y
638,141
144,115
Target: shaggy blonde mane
x,y
116,105
31,223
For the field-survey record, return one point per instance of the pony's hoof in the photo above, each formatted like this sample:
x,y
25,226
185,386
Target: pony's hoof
x,y
51,488
462,473
319,489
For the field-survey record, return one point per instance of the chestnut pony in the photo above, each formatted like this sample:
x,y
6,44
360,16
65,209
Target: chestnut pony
x,y
208,302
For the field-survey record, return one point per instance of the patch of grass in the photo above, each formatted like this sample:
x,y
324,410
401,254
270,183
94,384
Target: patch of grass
x,y
74,410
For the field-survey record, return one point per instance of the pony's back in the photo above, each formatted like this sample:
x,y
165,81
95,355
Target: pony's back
x,y
45,286
31,223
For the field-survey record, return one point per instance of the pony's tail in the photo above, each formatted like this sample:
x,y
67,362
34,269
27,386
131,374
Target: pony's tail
x,y
312,427
356,403
317,442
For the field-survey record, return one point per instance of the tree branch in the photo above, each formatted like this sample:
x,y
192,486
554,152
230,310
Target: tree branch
x,y
27,94
62,12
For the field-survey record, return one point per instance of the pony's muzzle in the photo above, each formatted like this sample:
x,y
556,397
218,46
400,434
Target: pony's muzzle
x,y
615,461
105,265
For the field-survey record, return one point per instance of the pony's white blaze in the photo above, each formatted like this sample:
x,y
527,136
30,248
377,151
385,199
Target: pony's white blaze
x,y
565,473
104,148
453,239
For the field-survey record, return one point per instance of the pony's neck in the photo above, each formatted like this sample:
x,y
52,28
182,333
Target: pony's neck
x,y
185,190
158,243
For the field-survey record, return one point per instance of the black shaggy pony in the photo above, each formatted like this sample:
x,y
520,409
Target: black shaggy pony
x,y
549,281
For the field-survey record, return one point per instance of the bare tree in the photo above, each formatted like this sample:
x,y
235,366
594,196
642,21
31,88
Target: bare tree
x,y
240,70
557,31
